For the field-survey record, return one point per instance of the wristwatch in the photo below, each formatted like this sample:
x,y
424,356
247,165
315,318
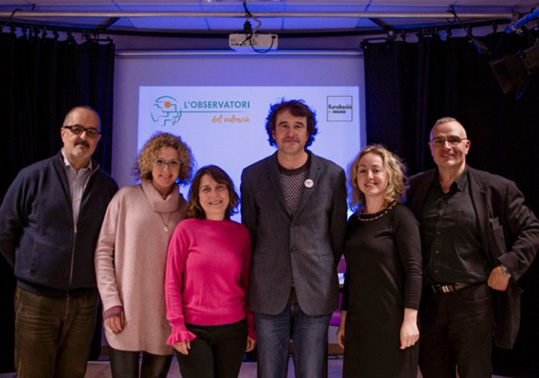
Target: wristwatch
x,y
505,270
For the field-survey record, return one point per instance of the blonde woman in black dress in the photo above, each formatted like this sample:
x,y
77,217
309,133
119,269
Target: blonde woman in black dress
x,y
379,330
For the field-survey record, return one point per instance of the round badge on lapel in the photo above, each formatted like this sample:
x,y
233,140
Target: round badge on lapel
x,y
308,183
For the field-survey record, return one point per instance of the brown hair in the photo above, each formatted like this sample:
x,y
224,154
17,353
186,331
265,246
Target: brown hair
x,y
297,108
194,209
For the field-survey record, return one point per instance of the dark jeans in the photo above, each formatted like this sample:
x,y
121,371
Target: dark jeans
x,y
125,364
456,333
217,351
53,335
309,334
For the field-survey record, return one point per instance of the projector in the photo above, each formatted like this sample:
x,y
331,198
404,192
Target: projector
x,y
252,42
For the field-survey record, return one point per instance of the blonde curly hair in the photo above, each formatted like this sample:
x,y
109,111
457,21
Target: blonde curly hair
x,y
397,180
150,150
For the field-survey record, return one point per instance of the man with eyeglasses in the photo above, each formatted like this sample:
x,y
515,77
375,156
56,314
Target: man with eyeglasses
x,y
478,239
50,220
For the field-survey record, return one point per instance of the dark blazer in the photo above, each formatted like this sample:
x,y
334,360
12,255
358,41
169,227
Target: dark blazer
x,y
307,246
509,234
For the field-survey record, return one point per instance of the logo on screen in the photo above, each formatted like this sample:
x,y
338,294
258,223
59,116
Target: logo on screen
x,y
340,108
166,111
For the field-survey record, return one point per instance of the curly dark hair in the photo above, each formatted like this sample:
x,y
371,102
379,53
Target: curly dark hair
x,y
194,209
143,165
297,108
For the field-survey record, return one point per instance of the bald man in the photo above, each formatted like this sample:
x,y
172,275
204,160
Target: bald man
x,y
50,220
478,239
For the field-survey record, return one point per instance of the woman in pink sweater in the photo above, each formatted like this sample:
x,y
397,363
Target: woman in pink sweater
x,y
206,284
131,254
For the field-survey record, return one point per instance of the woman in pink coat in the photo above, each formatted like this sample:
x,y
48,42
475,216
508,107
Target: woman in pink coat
x,y
131,254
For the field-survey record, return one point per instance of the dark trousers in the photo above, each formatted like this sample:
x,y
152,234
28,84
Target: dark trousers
x,y
217,351
456,333
125,364
53,335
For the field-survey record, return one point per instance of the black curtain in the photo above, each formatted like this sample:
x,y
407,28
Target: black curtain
x,y
41,78
411,85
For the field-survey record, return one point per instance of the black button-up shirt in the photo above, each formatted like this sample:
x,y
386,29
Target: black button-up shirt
x,y
451,244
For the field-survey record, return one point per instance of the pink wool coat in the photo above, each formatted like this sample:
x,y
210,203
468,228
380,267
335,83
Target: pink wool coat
x,y
130,264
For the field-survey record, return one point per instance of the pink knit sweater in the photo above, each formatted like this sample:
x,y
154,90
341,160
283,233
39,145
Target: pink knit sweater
x,y
130,263
207,276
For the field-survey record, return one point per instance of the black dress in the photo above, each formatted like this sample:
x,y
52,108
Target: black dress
x,y
383,256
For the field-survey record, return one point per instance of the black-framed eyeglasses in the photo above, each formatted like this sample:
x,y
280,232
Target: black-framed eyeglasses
x,y
453,140
92,132
172,164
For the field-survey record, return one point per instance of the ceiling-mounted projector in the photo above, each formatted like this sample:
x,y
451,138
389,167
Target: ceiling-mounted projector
x,y
253,42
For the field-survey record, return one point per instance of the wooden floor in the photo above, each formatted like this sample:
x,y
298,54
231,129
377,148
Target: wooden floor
x,y
248,369
101,369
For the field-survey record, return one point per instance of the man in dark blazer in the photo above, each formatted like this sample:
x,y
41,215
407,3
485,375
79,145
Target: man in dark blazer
x,y
478,239
294,205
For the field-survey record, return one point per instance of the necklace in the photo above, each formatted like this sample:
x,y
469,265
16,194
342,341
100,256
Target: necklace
x,y
165,223
380,215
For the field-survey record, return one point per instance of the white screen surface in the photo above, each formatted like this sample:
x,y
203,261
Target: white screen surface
x,y
225,125
259,80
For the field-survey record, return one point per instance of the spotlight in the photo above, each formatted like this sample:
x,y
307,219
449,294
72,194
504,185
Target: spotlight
x,y
513,71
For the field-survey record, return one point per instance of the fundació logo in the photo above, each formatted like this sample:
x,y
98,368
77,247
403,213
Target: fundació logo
x,y
166,111
340,108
